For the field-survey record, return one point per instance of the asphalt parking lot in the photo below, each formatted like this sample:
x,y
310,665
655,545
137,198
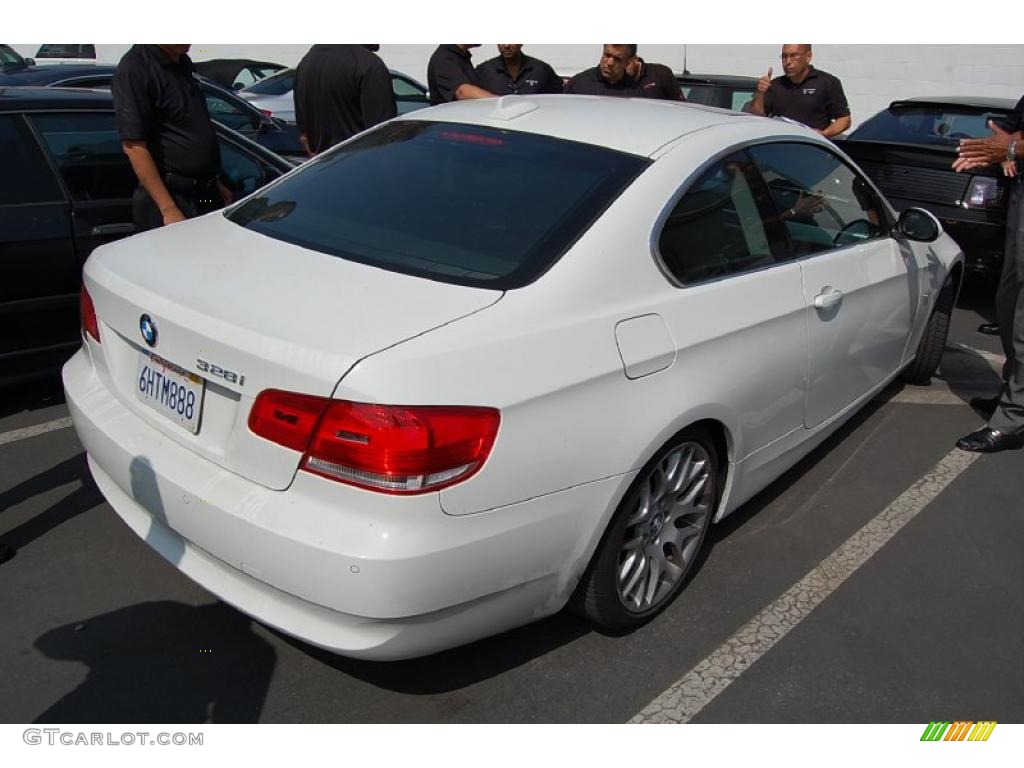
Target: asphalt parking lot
x,y
918,617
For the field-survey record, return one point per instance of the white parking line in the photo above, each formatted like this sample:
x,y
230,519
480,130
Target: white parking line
x,y
38,429
723,666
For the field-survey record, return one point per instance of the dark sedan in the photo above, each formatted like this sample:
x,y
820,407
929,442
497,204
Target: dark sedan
x,y
726,91
908,150
225,107
67,189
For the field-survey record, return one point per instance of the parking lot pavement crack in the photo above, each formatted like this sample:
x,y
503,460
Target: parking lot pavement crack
x,y
681,702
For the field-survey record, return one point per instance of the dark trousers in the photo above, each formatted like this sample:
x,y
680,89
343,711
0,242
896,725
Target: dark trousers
x,y
146,215
1009,416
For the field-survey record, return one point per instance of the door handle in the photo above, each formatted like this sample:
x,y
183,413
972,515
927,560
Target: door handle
x,y
828,298
105,230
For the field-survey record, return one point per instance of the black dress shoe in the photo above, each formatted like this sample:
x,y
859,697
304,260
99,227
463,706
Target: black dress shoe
x,y
987,440
989,329
986,405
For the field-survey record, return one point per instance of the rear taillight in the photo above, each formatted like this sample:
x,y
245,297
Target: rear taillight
x,y
89,322
266,113
386,448
286,418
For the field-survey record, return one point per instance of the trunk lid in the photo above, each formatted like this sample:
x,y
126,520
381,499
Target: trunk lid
x,y
247,313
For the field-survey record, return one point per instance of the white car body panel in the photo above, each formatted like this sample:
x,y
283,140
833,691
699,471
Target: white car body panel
x,y
594,366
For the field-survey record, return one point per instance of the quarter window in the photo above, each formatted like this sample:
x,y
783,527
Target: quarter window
x,y
87,151
822,202
26,176
719,228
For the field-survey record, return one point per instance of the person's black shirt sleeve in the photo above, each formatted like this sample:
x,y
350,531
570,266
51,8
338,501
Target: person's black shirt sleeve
x,y
836,106
449,74
133,106
376,96
552,82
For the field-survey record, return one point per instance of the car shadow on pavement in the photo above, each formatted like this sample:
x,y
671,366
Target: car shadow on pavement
x,y
162,662
31,396
968,374
82,499
767,497
459,667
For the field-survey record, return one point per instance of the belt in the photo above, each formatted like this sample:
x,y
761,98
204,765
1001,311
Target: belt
x,y
186,185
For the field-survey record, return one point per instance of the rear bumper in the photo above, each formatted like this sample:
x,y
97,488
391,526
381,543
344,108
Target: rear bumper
x,y
354,572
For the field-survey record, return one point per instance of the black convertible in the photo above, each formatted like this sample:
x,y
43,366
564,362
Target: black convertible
x,y
908,150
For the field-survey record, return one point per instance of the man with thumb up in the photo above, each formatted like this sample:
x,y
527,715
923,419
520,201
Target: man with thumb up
x,y
803,93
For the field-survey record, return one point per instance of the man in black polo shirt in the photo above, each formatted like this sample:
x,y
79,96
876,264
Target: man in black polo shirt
x,y
656,80
609,77
340,90
451,77
513,72
803,93
160,113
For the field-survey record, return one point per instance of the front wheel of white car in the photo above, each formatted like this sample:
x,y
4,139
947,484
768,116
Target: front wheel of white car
x,y
655,536
933,340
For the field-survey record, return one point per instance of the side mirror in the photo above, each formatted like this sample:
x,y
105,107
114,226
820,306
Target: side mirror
x,y
30,62
919,224
237,86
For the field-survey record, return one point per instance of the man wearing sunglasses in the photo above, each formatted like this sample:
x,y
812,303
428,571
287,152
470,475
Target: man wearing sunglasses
x,y
803,93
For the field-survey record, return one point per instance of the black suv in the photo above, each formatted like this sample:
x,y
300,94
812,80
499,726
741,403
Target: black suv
x,y
66,188
908,150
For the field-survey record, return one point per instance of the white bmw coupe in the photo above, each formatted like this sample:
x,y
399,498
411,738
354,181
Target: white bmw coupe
x,y
494,358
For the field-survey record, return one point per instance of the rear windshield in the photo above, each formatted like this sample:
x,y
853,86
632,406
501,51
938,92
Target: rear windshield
x,y
933,125
275,85
455,203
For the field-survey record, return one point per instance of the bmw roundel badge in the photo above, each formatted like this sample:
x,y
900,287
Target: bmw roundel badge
x,y
148,328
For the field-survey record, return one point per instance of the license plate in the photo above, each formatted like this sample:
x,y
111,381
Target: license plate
x,y
170,390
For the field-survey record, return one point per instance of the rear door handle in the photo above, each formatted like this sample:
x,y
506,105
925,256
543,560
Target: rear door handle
x,y
105,230
828,298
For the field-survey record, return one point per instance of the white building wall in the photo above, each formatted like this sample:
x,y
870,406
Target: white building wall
x,y
872,75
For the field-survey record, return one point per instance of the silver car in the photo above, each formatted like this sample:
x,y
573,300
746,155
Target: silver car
x,y
276,94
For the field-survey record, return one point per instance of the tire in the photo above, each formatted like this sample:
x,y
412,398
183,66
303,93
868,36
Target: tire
x,y
933,340
655,536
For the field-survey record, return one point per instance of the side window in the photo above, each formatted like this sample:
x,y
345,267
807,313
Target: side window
x,y
242,173
87,151
406,91
243,78
26,177
742,101
719,227
226,113
823,203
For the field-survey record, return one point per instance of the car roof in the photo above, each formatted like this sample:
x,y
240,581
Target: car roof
x,y
979,102
742,81
21,97
52,73
636,126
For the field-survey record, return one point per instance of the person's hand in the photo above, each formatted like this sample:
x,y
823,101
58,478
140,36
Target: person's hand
x,y
991,150
765,82
1009,168
808,204
172,215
